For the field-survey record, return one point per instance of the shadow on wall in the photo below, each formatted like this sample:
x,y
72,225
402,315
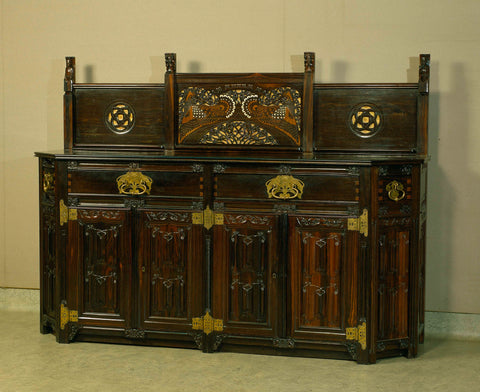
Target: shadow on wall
x,y
448,116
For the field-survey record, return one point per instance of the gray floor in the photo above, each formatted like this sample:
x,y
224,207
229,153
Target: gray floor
x,y
30,361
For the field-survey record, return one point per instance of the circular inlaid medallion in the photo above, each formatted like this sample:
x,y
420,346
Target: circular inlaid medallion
x,y
365,120
120,118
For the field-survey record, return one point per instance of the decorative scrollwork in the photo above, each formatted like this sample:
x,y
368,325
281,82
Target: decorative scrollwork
x,y
100,279
168,216
135,333
238,132
253,219
283,343
246,116
395,191
134,183
365,120
284,187
310,221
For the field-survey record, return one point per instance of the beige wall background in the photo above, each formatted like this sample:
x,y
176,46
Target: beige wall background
x,y
354,41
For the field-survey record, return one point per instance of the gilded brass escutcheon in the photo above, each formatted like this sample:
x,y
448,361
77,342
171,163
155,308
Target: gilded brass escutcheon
x,y
134,183
395,191
284,187
207,324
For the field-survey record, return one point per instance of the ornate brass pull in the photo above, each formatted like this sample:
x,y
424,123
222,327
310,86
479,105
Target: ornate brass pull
x,y
134,183
395,191
284,187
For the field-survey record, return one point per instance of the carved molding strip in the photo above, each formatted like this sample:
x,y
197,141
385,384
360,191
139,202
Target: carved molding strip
x,y
135,333
97,214
169,216
252,219
330,222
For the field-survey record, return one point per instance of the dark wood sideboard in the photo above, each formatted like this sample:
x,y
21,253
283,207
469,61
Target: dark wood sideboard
x,y
259,213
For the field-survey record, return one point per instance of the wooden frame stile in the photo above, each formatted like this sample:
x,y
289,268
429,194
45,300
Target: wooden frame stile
x,y
68,102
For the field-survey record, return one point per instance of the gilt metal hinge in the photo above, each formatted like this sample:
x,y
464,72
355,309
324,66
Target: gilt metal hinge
x,y
359,224
207,324
66,213
67,316
358,334
207,218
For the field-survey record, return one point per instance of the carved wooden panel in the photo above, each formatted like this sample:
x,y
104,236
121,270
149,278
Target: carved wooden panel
x,y
109,115
381,118
100,260
324,273
48,258
246,273
393,282
247,110
170,268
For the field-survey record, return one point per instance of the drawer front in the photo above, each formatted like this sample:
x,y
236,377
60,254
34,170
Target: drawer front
x,y
319,185
154,181
395,191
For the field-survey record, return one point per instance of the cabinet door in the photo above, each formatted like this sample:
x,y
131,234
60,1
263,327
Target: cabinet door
x,y
99,261
323,278
246,275
171,272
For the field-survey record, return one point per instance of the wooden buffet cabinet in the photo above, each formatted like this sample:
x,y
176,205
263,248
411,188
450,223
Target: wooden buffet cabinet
x,y
261,213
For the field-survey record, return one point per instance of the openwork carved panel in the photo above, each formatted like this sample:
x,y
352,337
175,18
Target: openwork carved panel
x,y
241,116
365,120
120,118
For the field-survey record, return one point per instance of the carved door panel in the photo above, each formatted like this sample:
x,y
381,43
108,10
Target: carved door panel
x,y
99,266
323,280
394,254
171,270
246,274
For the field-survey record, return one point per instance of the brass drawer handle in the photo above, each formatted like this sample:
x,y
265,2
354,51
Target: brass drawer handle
x,y
395,191
284,187
134,183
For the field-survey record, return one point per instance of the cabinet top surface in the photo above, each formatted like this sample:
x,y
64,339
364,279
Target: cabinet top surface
x,y
248,157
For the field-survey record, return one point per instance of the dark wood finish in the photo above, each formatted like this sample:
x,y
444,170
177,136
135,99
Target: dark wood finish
x,y
313,246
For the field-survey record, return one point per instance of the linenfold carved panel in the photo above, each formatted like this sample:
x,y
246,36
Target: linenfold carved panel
x,y
239,116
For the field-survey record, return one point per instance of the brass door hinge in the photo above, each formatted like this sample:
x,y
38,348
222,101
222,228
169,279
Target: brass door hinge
x,y
359,224
207,218
207,324
67,316
359,334
66,213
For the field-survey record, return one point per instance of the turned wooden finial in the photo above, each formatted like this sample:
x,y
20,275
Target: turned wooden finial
x,y
69,73
424,74
309,58
171,62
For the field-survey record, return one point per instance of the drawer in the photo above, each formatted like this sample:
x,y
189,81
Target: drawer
x,y
302,184
395,194
154,181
